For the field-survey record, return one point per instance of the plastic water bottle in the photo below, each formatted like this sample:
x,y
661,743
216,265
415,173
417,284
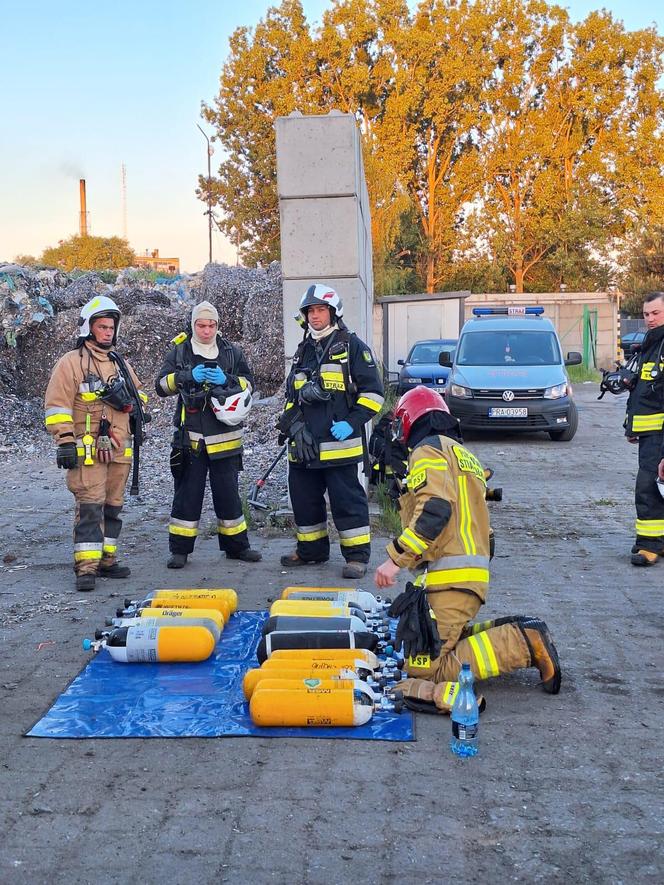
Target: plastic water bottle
x,y
465,716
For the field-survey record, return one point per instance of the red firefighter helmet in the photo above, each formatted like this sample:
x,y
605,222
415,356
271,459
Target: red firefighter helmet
x,y
412,405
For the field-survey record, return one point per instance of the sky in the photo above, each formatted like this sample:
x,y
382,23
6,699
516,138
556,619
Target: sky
x,y
86,87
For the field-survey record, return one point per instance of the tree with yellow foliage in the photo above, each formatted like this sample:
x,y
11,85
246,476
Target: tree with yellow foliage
x,y
89,253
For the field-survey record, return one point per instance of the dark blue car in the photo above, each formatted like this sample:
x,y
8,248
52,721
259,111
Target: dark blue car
x,y
421,366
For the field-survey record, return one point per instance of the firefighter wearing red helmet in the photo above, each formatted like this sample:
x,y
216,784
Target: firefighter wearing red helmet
x,y
445,540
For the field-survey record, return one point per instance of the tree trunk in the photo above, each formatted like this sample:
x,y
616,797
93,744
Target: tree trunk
x,y
431,266
518,276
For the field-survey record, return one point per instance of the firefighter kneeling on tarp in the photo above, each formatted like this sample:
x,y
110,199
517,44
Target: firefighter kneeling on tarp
x,y
445,539
89,402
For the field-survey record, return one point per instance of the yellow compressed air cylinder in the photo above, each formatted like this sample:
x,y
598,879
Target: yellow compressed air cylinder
x,y
288,590
137,644
340,655
212,614
202,593
324,704
313,664
253,678
182,602
323,608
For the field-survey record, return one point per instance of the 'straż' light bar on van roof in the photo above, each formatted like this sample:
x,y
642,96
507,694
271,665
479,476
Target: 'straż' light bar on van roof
x,y
507,311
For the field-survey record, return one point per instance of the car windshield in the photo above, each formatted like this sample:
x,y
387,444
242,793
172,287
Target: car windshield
x,y
508,348
429,353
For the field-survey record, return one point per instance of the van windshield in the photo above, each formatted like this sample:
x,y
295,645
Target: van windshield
x,y
496,347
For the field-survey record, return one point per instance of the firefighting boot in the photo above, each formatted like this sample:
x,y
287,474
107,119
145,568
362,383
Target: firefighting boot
x,y
543,653
293,560
480,626
177,560
85,583
115,570
645,557
354,569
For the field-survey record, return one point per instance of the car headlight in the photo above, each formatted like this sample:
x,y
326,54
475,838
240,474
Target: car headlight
x,y
458,390
556,392
412,380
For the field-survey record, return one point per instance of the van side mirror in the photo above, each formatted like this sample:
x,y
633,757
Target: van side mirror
x,y
573,358
445,358
401,362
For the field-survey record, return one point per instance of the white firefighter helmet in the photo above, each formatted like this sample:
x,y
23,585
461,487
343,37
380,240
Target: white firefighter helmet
x,y
99,306
320,294
232,409
660,486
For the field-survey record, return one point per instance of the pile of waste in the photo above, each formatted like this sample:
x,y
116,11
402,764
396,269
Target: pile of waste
x,y
39,311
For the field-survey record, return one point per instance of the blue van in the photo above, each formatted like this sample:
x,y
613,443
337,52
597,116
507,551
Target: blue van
x,y
508,373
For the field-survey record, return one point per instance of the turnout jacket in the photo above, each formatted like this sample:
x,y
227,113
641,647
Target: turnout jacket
x,y
344,366
70,399
194,421
645,406
444,518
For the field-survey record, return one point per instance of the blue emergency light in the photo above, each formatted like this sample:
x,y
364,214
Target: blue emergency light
x,y
507,311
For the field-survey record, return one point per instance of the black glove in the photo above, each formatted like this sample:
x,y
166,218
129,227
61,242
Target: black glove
x,y
306,447
66,455
416,630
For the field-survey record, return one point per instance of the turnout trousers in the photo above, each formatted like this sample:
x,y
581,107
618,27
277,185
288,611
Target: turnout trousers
x,y
190,480
98,490
350,512
649,502
492,648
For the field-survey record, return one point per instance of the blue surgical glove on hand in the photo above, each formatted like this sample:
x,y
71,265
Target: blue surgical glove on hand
x,y
341,430
198,373
215,376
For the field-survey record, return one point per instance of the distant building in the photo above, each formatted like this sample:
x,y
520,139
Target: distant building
x,y
152,261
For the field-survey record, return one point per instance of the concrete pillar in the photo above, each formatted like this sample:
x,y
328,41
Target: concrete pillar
x,y
325,220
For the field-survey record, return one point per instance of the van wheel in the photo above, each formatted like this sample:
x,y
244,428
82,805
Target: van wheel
x,y
568,433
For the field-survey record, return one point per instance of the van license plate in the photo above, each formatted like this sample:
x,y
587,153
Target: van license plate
x,y
508,412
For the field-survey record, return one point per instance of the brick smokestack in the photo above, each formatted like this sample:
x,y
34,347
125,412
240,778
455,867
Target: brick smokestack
x,y
83,221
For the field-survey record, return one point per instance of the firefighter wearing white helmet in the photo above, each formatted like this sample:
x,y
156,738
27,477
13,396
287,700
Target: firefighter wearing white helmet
x,y
212,382
89,401
334,388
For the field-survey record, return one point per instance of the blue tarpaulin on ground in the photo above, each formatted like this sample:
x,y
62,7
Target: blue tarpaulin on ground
x,y
112,700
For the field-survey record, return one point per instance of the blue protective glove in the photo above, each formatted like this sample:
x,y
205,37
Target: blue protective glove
x,y
341,430
215,376
198,373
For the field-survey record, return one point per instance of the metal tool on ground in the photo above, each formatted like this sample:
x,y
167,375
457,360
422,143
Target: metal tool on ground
x,y
252,500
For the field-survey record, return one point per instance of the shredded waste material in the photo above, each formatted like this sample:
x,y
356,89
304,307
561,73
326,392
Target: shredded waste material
x,y
39,311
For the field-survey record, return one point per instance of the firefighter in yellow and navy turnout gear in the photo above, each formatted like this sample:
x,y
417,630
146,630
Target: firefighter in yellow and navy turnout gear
x,y
334,388
645,424
88,405
203,369
445,540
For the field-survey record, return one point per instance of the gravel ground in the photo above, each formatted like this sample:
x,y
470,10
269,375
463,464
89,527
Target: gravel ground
x,y
565,789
